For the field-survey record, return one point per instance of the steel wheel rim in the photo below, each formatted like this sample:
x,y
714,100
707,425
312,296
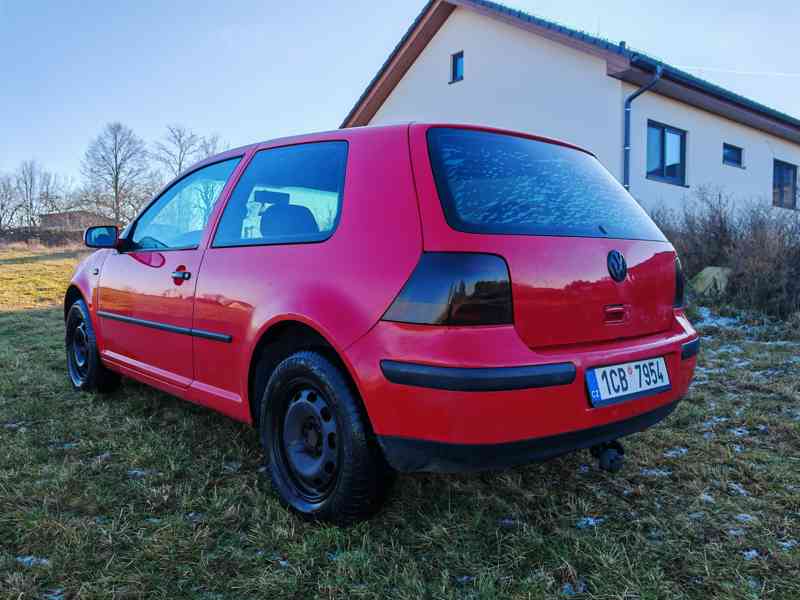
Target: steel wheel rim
x,y
78,353
309,442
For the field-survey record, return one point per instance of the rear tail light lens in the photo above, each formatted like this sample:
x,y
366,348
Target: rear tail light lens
x,y
680,285
455,288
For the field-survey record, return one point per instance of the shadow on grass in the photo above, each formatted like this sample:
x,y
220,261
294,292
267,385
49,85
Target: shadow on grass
x,y
32,356
34,258
32,353
176,491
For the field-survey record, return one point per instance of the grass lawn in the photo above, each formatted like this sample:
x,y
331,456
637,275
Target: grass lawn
x,y
140,495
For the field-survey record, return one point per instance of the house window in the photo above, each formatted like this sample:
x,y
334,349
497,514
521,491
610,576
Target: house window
x,y
784,185
732,155
666,153
457,67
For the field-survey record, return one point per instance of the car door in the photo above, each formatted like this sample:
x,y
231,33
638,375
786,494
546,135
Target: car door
x,y
146,289
267,251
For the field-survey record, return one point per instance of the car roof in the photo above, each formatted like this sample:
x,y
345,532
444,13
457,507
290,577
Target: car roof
x,y
366,131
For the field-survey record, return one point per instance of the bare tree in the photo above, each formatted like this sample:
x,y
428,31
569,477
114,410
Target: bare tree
x,y
52,192
70,193
177,150
210,145
9,201
116,172
27,184
207,194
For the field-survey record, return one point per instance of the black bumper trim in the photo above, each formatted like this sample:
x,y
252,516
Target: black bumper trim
x,y
410,454
201,333
690,349
480,379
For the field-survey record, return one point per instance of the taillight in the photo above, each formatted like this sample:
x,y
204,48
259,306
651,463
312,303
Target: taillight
x,y
455,288
680,285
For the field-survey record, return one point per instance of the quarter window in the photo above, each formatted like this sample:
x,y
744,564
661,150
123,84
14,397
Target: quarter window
x,y
666,153
784,185
180,215
287,195
457,67
732,155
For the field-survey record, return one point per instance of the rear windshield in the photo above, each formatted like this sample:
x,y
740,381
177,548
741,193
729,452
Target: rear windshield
x,y
504,184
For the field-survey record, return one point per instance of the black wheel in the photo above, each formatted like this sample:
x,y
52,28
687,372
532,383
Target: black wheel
x,y
323,460
85,370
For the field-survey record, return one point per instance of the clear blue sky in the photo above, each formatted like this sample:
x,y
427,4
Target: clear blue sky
x,y
252,70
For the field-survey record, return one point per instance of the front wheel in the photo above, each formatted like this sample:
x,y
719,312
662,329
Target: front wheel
x,y
323,460
86,372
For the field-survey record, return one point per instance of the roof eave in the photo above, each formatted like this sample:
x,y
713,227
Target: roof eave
x,y
685,88
422,30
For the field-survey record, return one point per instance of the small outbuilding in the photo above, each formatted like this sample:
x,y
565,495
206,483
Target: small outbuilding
x,y
72,220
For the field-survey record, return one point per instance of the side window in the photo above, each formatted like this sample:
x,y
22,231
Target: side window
x,y
457,67
179,216
291,194
732,155
784,185
666,153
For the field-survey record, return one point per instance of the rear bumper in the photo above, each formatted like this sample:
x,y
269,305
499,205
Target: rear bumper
x,y
430,390
409,455
690,349
489,379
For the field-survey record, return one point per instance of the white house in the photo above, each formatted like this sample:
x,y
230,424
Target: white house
x,y
476,61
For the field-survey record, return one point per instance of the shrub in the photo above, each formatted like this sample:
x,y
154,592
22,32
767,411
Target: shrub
x,y
759,243
766,262
704,232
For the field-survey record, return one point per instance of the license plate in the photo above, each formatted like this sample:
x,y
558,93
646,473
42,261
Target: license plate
x,y
617,383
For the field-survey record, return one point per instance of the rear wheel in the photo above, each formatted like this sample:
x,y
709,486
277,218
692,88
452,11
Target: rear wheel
x,y
323,460
86,371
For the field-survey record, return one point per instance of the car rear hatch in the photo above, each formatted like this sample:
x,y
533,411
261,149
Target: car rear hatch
x,y
586,262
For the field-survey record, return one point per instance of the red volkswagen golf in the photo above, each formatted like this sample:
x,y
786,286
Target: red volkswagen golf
x,y
406,298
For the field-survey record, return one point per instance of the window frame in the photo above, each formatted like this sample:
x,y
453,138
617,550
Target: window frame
x,y
682,133
339,206
775,163
739,164
127,234
456,56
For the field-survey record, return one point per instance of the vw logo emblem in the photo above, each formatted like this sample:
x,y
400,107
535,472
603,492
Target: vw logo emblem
x,y
617,267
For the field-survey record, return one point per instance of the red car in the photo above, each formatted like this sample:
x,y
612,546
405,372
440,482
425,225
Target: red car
x,y
405,298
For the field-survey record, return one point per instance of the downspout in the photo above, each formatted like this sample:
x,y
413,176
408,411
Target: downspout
x,y
626,148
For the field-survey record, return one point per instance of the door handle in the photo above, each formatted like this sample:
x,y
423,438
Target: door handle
x,y
182,275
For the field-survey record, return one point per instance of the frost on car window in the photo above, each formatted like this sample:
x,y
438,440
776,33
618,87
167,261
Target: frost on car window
x,y
503,184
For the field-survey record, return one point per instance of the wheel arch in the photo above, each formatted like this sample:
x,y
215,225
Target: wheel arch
x,y
284,337
72,295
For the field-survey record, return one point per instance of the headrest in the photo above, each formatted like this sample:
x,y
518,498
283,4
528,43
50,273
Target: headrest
x,y
270,197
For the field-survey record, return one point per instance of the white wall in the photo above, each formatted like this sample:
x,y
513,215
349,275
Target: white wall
x,y
518,80
514,80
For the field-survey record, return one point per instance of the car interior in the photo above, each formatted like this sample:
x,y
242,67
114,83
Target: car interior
x,y
282,219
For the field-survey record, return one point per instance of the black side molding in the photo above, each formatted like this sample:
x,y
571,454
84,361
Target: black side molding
x,y
201,333
480,379
412,455
690,349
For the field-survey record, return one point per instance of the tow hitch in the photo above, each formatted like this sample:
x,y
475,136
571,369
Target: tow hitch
x,y
610,455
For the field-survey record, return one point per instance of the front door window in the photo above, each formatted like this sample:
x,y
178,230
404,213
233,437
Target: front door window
x,y
180,215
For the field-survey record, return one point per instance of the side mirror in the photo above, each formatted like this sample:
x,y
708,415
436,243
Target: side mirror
x,y
101,236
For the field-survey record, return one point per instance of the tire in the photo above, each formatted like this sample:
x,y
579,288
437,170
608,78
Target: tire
x,y
324,462
84,367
